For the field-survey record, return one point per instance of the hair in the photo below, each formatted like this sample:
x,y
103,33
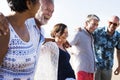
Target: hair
x,y
115,17
47,1
50,1
19,5
91,17
58,29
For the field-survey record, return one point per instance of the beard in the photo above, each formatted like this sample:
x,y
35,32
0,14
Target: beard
x,y
41,18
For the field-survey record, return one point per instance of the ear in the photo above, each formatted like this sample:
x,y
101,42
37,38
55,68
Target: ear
x,y
86,23
29,4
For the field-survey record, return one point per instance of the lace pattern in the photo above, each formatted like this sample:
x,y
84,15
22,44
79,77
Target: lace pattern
x,y
48,62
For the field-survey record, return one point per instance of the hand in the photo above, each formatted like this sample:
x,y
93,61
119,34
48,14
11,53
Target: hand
x,y
78,29
117,71
3,25
66,44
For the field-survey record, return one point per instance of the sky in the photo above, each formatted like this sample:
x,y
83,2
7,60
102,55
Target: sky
x,y
73,12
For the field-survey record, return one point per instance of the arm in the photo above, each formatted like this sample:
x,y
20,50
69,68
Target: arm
x,y
3,25
117,71
66,44
4,40
49,39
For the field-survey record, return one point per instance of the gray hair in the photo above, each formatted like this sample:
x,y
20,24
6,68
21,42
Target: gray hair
x,y
91,17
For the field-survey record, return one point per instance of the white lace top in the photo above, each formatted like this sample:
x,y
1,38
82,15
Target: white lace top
x,y
20,60
47,68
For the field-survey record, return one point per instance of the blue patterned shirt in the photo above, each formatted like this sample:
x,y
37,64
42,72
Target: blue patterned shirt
x,y
104,47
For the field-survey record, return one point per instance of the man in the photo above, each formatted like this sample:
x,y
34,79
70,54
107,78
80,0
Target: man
x,y
83,49
106,39
45,13
43,16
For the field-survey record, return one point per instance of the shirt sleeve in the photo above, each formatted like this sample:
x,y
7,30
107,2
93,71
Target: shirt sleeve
x,y
74,38
118,44
48,62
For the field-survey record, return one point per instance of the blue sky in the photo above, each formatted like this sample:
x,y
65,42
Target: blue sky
x,y
74,12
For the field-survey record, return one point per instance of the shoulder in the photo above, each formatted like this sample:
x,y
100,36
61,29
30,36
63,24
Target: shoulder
x,y
117,34
30,22
50,45
78,31
100,29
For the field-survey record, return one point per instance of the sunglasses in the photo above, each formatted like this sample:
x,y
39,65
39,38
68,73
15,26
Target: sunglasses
x,y
114,24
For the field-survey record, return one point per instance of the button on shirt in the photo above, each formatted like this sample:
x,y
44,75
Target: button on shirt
x,y
104,47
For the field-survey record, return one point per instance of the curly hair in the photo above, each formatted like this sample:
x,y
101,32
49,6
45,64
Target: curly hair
x,y
19,5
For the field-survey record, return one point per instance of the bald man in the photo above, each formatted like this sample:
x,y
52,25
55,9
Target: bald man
x,y
106,39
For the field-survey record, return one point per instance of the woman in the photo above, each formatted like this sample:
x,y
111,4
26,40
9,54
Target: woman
x,y
54,58
20,48
60,34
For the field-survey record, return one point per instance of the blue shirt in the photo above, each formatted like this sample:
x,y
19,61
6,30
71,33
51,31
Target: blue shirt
x,y
104,47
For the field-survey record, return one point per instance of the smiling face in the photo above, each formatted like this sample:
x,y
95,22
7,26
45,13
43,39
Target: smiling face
x,y
62,38
46,11
60,33
113,23
91,22
92,25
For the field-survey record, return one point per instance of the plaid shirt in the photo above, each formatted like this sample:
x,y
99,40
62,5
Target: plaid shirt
x,y
104,47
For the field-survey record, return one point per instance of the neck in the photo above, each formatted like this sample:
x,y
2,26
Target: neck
x,y
17,19
88,30
110,33
38,23
60,45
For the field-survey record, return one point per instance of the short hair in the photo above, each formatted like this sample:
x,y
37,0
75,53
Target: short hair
x,y
59,29
19,5
91,17
47,1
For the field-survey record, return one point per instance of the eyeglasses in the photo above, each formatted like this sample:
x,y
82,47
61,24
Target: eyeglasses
x,y
114,24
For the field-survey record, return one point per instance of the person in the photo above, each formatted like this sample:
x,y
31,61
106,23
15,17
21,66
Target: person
x,y
106,39
46,55
54,55
20,48
60,34
42,17
83,55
